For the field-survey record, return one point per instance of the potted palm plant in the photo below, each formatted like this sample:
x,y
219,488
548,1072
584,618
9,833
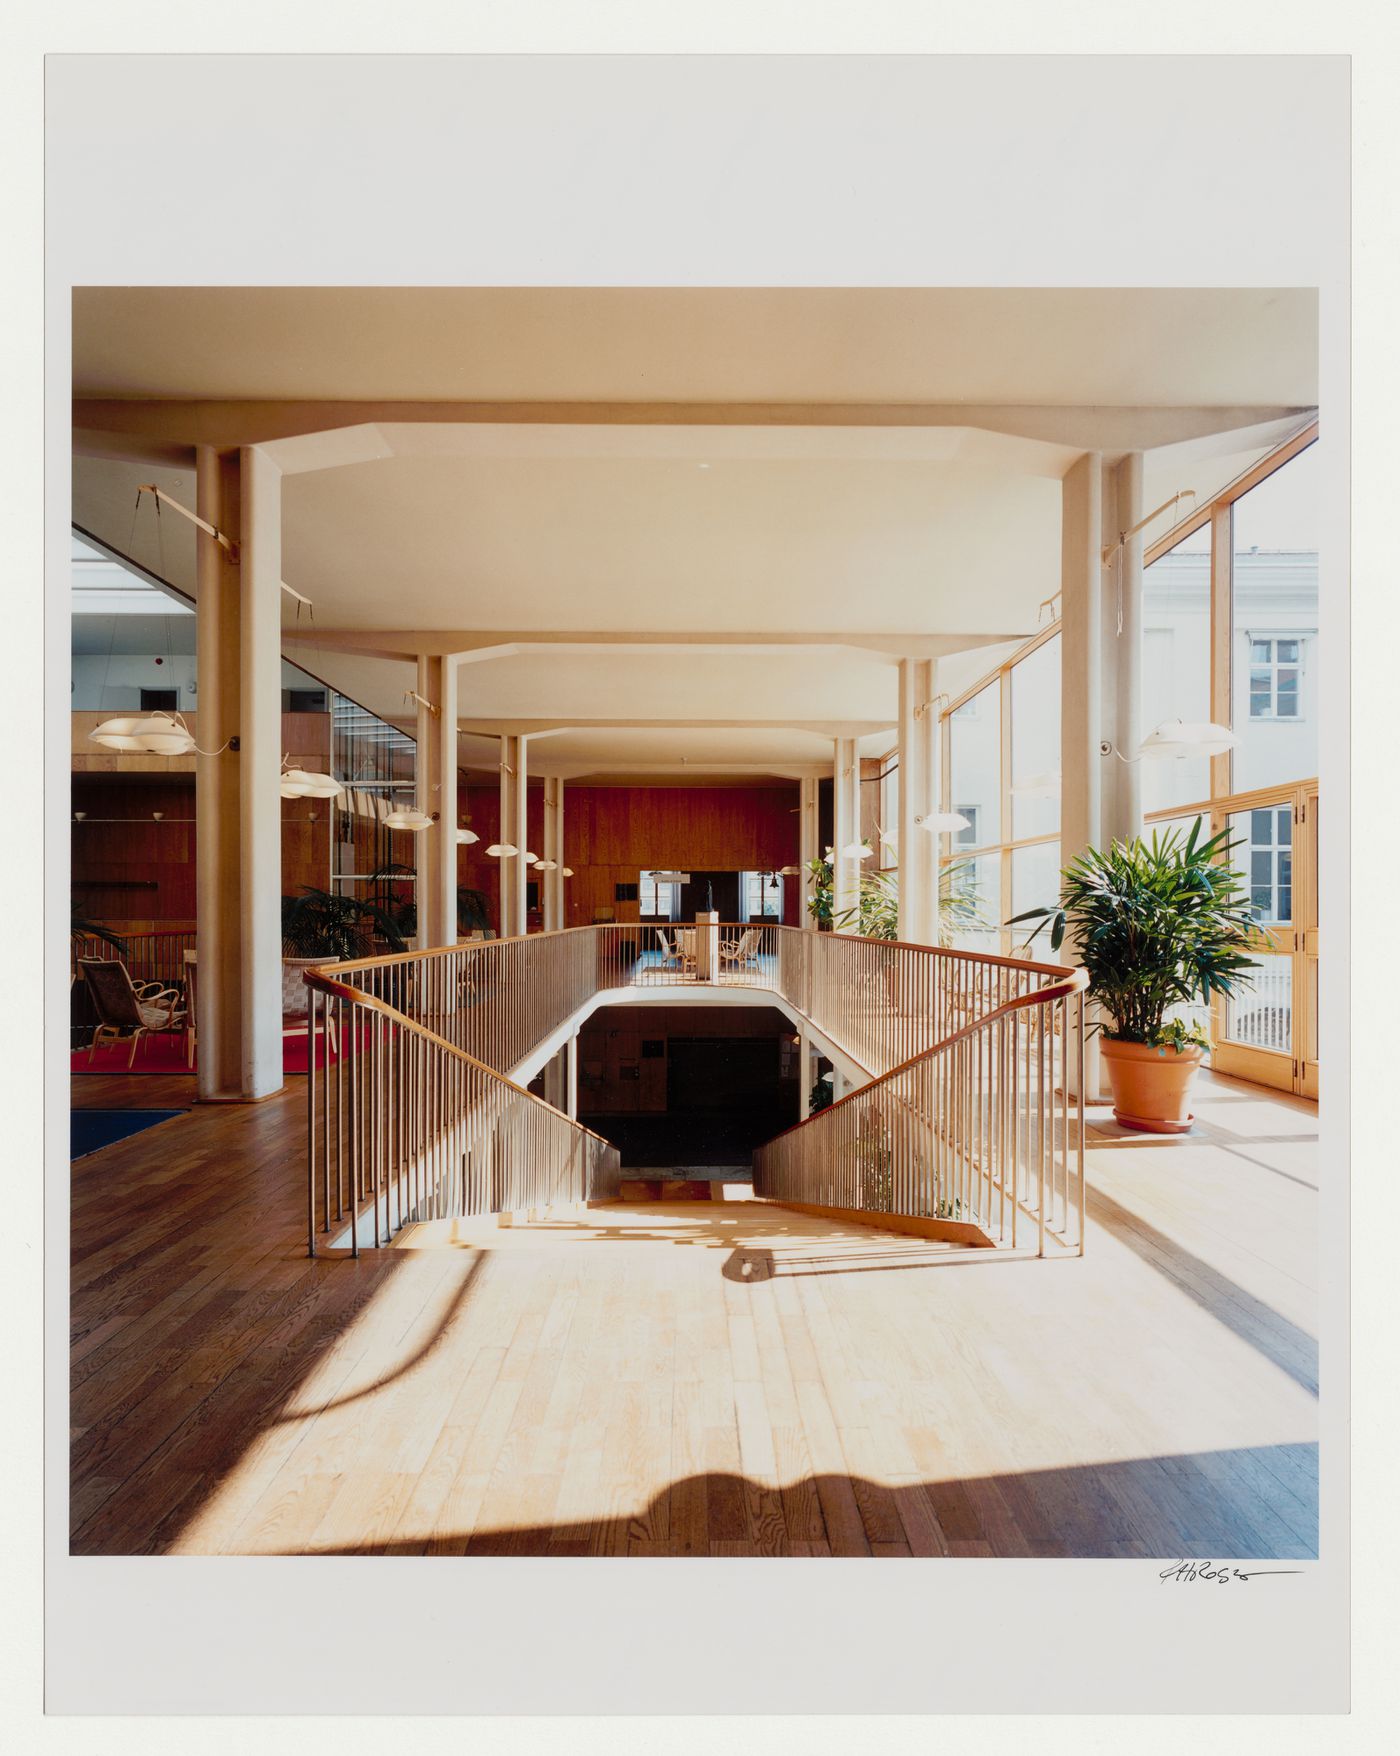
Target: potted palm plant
x,y
1156,925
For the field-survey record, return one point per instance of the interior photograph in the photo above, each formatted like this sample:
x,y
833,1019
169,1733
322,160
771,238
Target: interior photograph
x,y
695,921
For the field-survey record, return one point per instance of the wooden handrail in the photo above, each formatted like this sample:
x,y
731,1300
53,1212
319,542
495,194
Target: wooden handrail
x,y
1076,984
357,997
950,951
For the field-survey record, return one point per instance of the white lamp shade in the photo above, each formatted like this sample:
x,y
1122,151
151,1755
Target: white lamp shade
x,y
162,736
945,823
290,790
1176,737
408,817
856,850
546,865
502,850
568,871
310,783
467,836
115,734
529,858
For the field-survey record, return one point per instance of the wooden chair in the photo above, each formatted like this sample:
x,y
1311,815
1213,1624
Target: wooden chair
x,y
125,1007
685,946
743,950
669,953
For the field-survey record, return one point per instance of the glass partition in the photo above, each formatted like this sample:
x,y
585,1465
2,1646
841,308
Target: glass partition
x,y
1176,664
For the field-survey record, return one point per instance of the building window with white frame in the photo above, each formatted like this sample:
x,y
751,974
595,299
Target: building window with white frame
x,y
659,899
763,896
1275,676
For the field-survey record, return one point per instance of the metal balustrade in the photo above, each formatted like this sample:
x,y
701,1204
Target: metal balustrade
x,y
417,1116
980,1132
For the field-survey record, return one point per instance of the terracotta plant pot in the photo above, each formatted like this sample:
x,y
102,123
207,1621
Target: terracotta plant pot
x,y
1151,1087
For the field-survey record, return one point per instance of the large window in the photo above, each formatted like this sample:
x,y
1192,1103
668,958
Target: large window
x,y
974,755
658,899
1230,634
1273,654
763,896
1002,773
1176,664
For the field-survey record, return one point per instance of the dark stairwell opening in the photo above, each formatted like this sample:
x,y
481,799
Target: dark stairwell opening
x,y
689,1087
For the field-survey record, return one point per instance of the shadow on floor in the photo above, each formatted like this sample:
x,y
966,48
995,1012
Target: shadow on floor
x,y
1237,1506
1289,1348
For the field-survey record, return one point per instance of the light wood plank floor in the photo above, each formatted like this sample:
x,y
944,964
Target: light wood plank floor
x,y
720,1380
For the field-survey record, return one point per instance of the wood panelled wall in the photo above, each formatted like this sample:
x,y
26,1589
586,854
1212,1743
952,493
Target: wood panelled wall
x,y
613,833
140,874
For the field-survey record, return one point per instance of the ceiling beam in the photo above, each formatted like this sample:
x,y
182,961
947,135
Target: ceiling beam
x,y
549,728
470,646
231,423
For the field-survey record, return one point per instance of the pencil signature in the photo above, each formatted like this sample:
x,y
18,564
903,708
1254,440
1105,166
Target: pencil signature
x,y
1189,1572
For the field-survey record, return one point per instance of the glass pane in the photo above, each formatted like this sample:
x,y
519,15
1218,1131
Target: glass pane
x,y
1198,1014
976,885
1035,743
1035,883
974,756
1176,665
1285,826
1256,858
1275,602
1261,1016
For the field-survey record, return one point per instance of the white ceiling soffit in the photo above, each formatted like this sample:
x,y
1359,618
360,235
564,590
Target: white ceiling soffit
x,y
679,684
1153,347
703,445
596,543
663,750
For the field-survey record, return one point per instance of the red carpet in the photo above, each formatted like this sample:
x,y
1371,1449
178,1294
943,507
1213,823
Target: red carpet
x,y
166,1054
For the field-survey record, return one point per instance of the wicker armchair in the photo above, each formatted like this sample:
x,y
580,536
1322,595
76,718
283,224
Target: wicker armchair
x,y
126,1008
742,951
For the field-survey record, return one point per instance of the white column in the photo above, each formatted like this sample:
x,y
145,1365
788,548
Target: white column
x,y
218,777
806,1075
435,849
808,844
918,847
930,747
571,1076
260,760
1122,651
552,883
237,803
1081,663
1081,676
512,832
845,830
519,871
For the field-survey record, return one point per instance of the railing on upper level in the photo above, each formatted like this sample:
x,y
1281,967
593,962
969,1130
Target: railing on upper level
x,y
982,1132
429,1039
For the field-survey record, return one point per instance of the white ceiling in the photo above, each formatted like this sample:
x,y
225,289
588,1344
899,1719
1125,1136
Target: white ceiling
x,y
435,533
1076,346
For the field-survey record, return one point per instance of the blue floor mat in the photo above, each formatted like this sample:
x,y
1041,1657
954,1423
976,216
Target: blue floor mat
x,y
90,1130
